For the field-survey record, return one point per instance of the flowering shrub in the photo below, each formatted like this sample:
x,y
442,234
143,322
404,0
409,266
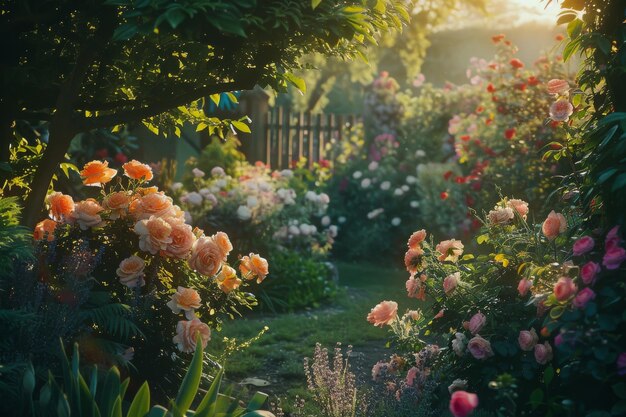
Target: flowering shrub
x,y
136,277
536,318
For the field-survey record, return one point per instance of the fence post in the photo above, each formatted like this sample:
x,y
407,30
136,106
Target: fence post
x,y
255,104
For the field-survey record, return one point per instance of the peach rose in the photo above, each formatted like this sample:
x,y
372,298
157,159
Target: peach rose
x,y
185,299
154,234
206,256
414,260
450,250
186,332
153,204
61,207
463,403
558,87
182,239
527,339
117,203
451,282
97,173
254,266
500,216
223,242
137,171
543,353
561,110
554,225
479,348
564,288
130,272
147,190
416,239
520,206
477,322
227,279
45,229
86,214
523,286
384,313
415,289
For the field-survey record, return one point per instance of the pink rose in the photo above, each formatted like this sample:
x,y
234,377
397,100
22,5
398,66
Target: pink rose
x,y
477,322
614,257
612,238
186,332
523,286
561,110
543,353
527,339
410,376
450,250
500,216
554,224
558,87
87,214
583,245
520,206
463,403
416,239
384,313
564,288
589,271
451,282
479,348
583,297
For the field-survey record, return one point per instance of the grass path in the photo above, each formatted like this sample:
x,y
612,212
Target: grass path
x,y
277,355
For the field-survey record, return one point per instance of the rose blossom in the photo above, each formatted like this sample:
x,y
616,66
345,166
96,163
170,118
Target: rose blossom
x,y
558,87
198,173
520,206
523,286
206,256
154,234
117,203
543,353
614,257
130,272
583,297
583,245
384,313
182,238
561,110
223,242
152,204
564,288
416,239
451,282
217,172
500,216
186,334
553,225
612,238
414,288
458,344
252,266
527,339
413,260
477,322
227,279
589,271
136,170
61,206
86,214
479,347
96,173
410,376
463,403
45,229
185,299
450,250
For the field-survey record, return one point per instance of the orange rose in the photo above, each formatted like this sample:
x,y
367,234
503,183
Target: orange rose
x,y
131,273
227,279
416,239
384,313
414,260
154,204
223,242
61,206
254,266
554,225
96,173
154,234
186,332
147,190
137,171
182,239
206,256
45,228
117,203
185,299
86,214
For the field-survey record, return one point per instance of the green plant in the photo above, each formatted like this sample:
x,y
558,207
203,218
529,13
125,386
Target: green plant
x,y
106,395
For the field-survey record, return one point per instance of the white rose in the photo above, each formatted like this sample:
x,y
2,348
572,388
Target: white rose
x,y
325,221
286,173
385,185
333,230
366,182
420,153
252,201
198,173
221,183
373,166
176,186
405,188
396,221
415,204
217,172
194,198
398,192
204,192
357,174
341,219
410,179
244,213
294,230
311,196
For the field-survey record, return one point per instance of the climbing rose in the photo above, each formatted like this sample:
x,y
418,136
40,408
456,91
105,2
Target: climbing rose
x,y
182,239
413,260
451,282
477,322
416,239
583,297
543,353
589,271
520,206
227,279
561,110
558,87
564,288
553,225
137,171
500,216
96,173
117,203
206,256
185,299
479,348
86,214
45,229
186,332
527,339
463,403
154,234
61,206
130,272
384,313
254,266
523,286
450,250
583,245
614,257
152,204
458,344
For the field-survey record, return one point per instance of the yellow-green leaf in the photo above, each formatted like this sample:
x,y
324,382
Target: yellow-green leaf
x,y
241,126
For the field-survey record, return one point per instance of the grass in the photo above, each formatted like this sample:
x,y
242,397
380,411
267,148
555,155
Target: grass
x,y
277,355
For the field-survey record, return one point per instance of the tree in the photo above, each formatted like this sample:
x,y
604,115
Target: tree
x,y
88,64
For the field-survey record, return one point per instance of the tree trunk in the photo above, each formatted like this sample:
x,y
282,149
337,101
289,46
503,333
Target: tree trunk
x,y
62,131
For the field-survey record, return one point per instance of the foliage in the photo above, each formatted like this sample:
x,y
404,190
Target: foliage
x,y
107,394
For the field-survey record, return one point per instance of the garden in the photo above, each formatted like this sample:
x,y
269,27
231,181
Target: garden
x,y
325,208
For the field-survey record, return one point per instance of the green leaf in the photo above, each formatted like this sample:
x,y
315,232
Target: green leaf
x,y
191,382
548,375
315,3
125,32
174,17
258,400
241,126
158,411
575,28
208,403
141,403
296,81
536,397
482,239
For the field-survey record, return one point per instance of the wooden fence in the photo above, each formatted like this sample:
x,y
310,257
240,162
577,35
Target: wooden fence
x,y
290,136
